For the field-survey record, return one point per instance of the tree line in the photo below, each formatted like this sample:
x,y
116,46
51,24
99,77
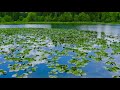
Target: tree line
x,y
60,16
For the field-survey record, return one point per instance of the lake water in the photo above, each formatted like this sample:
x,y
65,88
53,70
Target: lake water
x,y
93,69
108,29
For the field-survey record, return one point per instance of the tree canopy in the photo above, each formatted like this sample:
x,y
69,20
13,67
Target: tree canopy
x,y
60,16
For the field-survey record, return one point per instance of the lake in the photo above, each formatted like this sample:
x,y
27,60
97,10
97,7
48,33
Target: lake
x,y
108,29
59,51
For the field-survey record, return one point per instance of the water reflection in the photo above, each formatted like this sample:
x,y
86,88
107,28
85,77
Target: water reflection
x,y
108,29
27,26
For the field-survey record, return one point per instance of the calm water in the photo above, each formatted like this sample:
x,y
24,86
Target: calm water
x,y
93,69
108,29
26,26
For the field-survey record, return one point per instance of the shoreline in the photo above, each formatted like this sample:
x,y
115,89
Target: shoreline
x,y
73,23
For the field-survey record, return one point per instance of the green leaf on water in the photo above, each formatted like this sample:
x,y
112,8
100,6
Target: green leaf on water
x,y
113,69
33,69
115,76
73,61
2,72
54,71
110,63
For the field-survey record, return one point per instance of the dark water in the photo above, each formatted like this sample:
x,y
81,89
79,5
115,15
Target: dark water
x,y
93,69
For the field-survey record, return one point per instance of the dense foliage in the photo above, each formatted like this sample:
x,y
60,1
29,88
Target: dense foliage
x,y
60,16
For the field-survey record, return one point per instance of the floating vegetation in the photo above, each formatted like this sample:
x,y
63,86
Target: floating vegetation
x,y
29,48
110,63
54,71
2,72
76,71
79,63
116,76
33,69
113,69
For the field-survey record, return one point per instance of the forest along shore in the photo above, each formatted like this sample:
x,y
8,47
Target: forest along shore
x,y
59,17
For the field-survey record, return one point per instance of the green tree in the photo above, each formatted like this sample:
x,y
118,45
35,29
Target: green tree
x,y
113,16
76,18
48,18
83,17
118,16
7,18
55,17
21,18
31,16
66,16
25,20
109,16
0,19
40,18
61,18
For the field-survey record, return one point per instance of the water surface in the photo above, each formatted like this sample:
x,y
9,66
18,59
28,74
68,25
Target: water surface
x,y
59,46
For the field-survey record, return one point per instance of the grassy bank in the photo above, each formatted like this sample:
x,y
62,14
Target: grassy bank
x,y
87,23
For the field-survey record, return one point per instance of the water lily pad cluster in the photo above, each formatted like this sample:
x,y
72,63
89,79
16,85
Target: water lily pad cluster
x,y
28,48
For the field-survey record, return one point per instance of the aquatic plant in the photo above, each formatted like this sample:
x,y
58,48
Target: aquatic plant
x,y
2,72
30,47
